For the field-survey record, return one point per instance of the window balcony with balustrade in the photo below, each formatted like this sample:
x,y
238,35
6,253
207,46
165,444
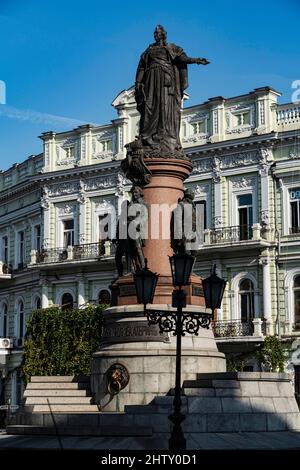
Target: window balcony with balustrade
x,y
85,253
5,270
239,236
227,330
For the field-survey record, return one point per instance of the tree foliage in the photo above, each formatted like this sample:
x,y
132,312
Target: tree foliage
x,y
61,342
272,354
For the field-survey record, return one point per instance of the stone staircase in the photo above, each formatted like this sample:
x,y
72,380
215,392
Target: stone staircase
x,y
232,402
59,394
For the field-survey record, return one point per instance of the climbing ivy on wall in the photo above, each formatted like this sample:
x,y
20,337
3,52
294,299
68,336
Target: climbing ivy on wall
x,y
61,342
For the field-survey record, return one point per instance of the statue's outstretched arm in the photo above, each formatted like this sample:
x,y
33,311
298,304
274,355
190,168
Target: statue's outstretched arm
x,y
192,60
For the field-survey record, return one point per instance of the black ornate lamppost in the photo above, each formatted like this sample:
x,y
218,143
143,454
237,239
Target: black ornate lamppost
x,y
213,289
178,322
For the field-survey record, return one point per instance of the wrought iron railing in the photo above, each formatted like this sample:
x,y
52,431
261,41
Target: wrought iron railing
x,y
231,234
223,329
75,253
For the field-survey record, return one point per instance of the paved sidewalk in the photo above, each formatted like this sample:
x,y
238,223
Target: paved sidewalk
x,y
213,441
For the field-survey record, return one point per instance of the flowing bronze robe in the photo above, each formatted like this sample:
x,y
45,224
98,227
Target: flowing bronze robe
x,y
162,71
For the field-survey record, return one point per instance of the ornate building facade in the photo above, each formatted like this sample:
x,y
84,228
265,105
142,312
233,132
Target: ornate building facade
x,y
246,156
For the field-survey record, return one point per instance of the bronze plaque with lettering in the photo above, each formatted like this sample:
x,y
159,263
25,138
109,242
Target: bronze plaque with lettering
x,y
127,291
197,291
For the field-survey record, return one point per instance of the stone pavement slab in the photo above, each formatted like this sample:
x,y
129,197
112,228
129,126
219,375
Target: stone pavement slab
x,y
209,441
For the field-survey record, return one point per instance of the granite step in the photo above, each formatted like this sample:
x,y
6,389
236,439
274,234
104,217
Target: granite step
x,y
56,392
58,400
84,430
60,378
57,385
66,408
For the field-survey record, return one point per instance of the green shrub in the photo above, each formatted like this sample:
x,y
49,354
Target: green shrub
x,y
61,342
272,354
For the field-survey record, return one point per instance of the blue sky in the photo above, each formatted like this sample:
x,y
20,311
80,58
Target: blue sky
x,y
69,59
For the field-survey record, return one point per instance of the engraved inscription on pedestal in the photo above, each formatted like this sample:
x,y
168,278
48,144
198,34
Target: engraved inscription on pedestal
x,y
197,291
125,332
127,291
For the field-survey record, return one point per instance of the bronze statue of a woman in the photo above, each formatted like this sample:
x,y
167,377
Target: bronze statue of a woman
x,y
161,79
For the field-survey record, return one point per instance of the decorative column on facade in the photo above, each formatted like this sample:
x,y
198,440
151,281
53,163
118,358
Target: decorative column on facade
x,y
266,104
217,118
46,206
80,292
49,150
82,213
288,324
267,301
216,175
45,292
265,157
85,144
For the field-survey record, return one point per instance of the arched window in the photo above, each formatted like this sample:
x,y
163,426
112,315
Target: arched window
x,y
297,302
4,322
246,292
67,301
104,297
21,319
37,303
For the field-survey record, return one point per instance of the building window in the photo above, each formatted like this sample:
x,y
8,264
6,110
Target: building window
x,y
246,293
4,323
104,297
297,302
201,219
70,152
198,127
68,233
67,302
37,237
295,210
106,145
37,303
4,249
242,119
21,322
105,226
21,248
245,216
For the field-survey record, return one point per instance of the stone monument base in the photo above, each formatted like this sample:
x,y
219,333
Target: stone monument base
x,y
148,356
